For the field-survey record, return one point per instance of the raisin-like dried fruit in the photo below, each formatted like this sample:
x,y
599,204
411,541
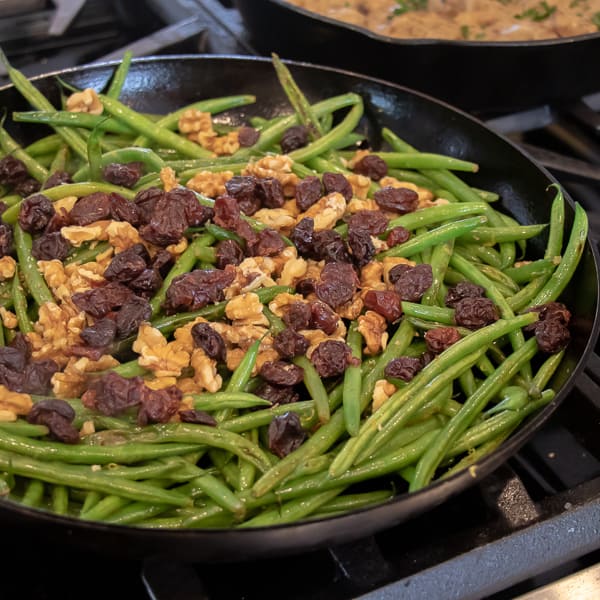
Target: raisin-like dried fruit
x,y
145,201
244,189
98,302
412,284
337,285
306,286
293,138
270,192
57,178
100,334
146,283
322,317
289,343
123,174
403,367
302,236
35,213
167,223
281,373
374,221
50,246
37,377
328,245
248,136
57,416
22,344
122,209
228,252
308,191
198,417
277,395
91,208
227,212
162,262
12,170
463,289
398,235
336,182
441,338
297,315
210,341
331,358
131,315
397,271
551,335
399,200
285,434
111,394
6,239
268,243
27,186
13,358
158,406
384,302
361,244
474,313
371,166
550,311
194,290
125,266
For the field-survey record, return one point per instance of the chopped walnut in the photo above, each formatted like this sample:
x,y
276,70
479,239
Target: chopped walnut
x,y
163,358
179,248
280,219
246,309
66,280
209,184
73,380
66,203
224,145
326,212
160,383
291,206
278,304
371,277
382,391
78,234
7,267
316,336
389,262
358,156
351,309
278,166
360,185
279,261
7,416
234,358
357,204
268,355
183,335
87,428
122,235
205,371
168,179
196,123
251,274
373,327
56,331
86,101
293,270
15,402
9,319
243,336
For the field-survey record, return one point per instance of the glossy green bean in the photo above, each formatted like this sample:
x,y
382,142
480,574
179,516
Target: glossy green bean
x,y
31,275
352,382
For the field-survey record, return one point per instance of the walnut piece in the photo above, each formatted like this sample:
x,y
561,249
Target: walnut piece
x,y
373,327
168,179
86,101
278,166
14,402
382,391
163,358
210,184
326,212
7,267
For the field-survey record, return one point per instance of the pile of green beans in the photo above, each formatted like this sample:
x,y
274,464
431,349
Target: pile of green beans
x,y
461,406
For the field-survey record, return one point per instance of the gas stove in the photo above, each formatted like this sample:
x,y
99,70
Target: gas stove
x,y
531,523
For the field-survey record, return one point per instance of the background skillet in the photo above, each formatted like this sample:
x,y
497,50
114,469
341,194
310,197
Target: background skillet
x,y
160,84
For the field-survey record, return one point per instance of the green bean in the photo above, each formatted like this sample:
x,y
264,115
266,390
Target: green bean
x,y
548,368
404,403
524,297
494,235
440,234
158,134
412,177
467,382
552,290
479,254
10,146
241,375
34,493
46,145
424,160
20,305
315,387
24,429
118,80
212,105
88,253
71,119
471,408
557,225
59,162
219,400
94,155
327,141
151,161
60,499
33,278
184,263
525,272
352,382
297,99
86,479
352,502
440,258
512,397
437,314
504,284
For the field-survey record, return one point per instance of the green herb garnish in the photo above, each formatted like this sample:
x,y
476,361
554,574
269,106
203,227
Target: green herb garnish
x,y
537,13
405,6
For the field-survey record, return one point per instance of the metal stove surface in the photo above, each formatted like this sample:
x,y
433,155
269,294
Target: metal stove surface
x,y
530,523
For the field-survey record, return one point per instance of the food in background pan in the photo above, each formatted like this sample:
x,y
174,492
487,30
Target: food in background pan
x,y
231,326
474,20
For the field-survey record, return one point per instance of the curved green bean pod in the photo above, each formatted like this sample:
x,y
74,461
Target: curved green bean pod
x,y
495,235
152,161
72,119
352,382
315,387
33,278
116,85
436,214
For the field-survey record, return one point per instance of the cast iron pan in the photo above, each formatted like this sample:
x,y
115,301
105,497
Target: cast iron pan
x,y
160,84
476,76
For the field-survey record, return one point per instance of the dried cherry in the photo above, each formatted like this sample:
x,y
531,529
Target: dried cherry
x,y
91,208
35,213
385,302
475,313
123,174
399,200
412,284
210,341
281,373
50,246
463,289
336,182
441,338
293,138
285,434
403,367
308,191
371,166
289,343
331,358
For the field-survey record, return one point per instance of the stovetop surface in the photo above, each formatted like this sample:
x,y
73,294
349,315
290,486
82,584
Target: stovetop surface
x,y
531,521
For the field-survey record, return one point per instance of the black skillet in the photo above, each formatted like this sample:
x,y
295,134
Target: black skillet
x,y
476,76
160,84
